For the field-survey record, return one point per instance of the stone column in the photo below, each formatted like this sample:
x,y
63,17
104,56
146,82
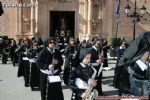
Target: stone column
x,y
36,18
89,17
86,16
19,20
32,33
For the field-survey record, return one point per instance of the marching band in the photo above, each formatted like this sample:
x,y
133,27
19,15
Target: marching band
x,y
41,64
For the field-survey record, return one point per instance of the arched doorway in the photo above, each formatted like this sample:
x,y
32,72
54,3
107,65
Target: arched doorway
x,y
62,23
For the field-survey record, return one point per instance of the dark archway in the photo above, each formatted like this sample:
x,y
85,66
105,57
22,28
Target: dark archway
x,y
62,21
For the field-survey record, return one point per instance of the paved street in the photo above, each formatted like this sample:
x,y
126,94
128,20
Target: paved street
x,y
12,88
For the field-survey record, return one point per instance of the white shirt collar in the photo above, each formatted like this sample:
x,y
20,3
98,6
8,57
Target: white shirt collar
x,y
50,50
95,48
83,65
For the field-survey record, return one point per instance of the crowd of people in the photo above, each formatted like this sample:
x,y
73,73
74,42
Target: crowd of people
x,y
40,64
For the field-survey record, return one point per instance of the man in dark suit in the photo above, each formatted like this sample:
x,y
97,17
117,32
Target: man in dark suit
x,y
96,62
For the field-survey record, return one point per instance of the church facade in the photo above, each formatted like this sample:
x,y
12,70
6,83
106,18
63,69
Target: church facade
x,y
81,19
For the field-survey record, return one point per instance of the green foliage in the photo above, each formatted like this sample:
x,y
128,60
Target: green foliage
x,y
114,41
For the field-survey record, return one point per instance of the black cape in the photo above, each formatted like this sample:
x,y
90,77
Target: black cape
x,y
136,47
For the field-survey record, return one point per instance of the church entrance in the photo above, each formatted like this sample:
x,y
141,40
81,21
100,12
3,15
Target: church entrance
x,y
62,23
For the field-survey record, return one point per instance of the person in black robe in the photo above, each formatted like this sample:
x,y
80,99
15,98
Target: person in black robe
x,y
139,75
34,74
6,51
96,61
105,48
120,50
83,72
13,55
136,47
50,62
23,69
71,56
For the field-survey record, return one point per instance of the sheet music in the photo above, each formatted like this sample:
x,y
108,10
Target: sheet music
x,y
33,60
53,79
25,58
49,72
142,65
81,84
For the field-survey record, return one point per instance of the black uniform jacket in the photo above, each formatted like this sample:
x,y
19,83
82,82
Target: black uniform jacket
x,y
44,60
82,72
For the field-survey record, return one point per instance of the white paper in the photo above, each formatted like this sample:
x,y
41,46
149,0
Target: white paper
x,y
33,60
49,72
53,79
142,65
81,84
25,58
94,64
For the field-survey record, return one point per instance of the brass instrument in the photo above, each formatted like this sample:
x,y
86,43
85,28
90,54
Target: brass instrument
x,y
62,33
93,93
6,51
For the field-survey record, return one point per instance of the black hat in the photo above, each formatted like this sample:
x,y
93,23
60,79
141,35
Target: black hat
x,y
147,37
83,53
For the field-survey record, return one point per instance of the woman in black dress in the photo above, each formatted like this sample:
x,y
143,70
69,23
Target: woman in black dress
x,y
82,77
50,62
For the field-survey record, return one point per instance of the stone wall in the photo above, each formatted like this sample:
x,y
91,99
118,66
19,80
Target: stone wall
x,y
8,21
126,24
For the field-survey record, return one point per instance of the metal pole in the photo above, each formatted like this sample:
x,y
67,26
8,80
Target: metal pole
x,y
134,20
101,16
117,26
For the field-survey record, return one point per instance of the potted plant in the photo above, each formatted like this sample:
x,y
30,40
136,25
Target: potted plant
x,y
114,44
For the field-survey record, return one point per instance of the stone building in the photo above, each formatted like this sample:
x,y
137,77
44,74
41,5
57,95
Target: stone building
x,y
82,19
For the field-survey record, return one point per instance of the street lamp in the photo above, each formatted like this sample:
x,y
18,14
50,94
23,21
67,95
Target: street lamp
x,y
135,15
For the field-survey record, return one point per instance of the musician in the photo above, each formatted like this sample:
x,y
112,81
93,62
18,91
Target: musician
x,y
120,50
139,72
136,47
96,60
70,59
23,69
34,74
50,62
13,55
105,48
6,51
80,76
40,42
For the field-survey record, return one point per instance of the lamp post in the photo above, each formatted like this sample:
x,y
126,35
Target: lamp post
x,y
135,15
